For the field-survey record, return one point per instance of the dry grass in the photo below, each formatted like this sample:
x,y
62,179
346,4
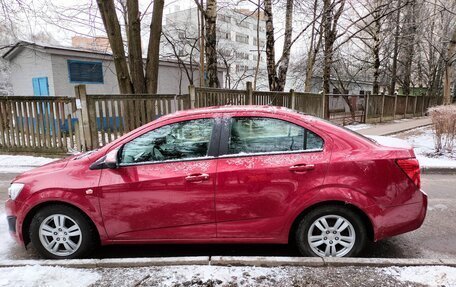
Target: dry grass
x,y
444,124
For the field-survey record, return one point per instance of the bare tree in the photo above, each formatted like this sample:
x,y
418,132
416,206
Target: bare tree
x,y
210,15
130,75
396,49
408,37
332,10
315,43
277,72
449,69
154,47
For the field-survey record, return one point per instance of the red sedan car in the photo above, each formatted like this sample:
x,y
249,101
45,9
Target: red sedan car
x,y
243,174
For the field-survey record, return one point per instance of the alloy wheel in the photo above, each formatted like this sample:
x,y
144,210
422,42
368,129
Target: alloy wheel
x,y
331,236
60,235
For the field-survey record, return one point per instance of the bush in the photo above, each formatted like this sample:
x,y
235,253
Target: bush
x,y
444,124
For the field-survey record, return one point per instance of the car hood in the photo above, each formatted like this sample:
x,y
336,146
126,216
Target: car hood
x,y
44,169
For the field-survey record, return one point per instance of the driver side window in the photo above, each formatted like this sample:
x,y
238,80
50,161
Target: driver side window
x,y
183,140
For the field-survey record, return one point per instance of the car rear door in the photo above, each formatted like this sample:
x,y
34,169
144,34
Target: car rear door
x,y
164,187
266,165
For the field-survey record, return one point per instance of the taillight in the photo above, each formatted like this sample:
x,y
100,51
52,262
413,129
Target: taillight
x,y
411,167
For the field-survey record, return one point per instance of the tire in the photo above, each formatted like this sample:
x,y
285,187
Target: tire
x,y
315,238
62,232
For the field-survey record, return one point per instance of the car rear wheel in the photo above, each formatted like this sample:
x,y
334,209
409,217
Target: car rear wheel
x,y
331,231
61,232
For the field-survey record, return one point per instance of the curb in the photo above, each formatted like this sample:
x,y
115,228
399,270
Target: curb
x,y
405,130
438,170
111,262
327,262
232,261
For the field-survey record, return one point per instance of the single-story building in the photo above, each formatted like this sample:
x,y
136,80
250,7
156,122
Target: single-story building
x,y
46,70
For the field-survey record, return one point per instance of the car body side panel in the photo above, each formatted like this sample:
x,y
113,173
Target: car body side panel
x,y
155,201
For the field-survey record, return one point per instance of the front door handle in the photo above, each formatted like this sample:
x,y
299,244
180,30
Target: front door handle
x,y
198,177
301,167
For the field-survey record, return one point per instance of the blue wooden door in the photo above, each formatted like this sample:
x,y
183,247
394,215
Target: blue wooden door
x,y
40,86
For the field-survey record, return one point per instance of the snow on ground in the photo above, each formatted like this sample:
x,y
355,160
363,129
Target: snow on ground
x,y
390,141
21,163
357,127
7,243
236,276
49,276
422,140
427,275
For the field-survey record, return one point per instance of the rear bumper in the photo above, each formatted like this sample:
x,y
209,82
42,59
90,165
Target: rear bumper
x,y
403,218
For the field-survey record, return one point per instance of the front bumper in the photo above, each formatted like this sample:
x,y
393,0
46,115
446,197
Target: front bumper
x,y
11,208
11,223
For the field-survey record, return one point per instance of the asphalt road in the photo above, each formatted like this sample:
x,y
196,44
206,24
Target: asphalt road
x,y
435,239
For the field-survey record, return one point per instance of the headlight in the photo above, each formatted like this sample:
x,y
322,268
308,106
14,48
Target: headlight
x,y
14,190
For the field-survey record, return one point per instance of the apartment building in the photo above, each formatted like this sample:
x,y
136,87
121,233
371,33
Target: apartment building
x,y
237,31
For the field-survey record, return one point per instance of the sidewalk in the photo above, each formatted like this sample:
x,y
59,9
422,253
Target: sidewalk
x,y
395,127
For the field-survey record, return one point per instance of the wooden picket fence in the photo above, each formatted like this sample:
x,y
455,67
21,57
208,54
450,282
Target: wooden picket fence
x,y
107,117
38,124
58,125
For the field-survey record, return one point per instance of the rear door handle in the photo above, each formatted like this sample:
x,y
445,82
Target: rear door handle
x,y
301,167
197,177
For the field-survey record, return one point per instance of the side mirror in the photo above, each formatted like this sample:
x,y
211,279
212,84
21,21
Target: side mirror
x,y
110,160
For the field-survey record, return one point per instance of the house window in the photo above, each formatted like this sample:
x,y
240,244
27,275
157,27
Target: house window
x,y
241,38
85,72
243,56
224,18
244,24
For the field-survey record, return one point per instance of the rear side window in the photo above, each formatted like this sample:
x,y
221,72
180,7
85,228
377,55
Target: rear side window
x,y
264,135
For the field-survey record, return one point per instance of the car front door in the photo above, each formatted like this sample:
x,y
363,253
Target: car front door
x,y
164,186
265,165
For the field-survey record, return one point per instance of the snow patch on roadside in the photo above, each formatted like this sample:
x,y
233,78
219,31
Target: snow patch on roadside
x,y
422,141
6,241
390,141
357,127
427,275
47,276
221,275
429,162
21,163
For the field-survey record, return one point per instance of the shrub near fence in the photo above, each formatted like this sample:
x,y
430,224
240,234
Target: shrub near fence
x,y
67,124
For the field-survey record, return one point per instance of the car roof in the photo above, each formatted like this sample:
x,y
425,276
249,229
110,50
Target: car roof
x,y
235,109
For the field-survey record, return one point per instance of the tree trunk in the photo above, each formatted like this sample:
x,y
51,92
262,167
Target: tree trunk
x,y
392,89
257,67
134,47
112,26
449,69
270,50
330,19
211,43
376,54
409,50
285,59
154,47
313,50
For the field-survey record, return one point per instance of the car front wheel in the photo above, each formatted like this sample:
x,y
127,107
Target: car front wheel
x,y
331,231
61,232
